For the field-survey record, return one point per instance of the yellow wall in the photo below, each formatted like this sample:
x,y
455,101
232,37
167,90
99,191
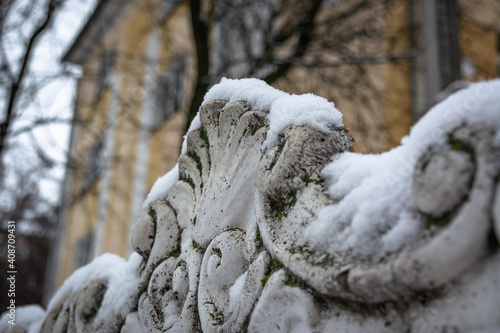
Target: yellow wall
x,y
479,44
131,67
130,36
398,109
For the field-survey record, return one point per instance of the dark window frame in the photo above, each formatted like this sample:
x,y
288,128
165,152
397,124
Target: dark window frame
x,y
83,250
94,162
169,91
104,72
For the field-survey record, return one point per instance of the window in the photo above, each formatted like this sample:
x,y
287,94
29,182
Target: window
x,y
169,91
83,250
104,73
94,163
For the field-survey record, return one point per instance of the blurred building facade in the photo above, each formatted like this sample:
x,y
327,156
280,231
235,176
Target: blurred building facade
x,y
128,124
139,62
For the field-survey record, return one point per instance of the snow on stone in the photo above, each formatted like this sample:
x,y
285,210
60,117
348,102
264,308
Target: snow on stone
x,y
257,93
195,124
307,109
170,315
187,244
375,214
161,186
122,277
236,291
284,109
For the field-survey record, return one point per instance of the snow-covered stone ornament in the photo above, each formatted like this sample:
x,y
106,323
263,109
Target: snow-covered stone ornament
x,y
270,223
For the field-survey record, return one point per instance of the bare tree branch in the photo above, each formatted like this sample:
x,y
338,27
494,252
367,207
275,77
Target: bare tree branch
x,y
305,28
52,5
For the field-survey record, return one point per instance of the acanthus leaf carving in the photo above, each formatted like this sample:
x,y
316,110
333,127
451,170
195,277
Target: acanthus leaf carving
x,y
229,247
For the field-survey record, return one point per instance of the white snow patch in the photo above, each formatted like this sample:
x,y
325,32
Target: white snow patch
x,y
170,315
257,93
132,324
375,214
122,277
284,109
195,124
307,109
161,186
236,291
187,244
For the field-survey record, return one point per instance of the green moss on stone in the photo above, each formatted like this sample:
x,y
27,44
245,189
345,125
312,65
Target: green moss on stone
x,y
437,221
293,281
257,127
197,160
258,238
204,136
273,267
425,164
459,145
281,145
280,208
187,179
152,213
176,253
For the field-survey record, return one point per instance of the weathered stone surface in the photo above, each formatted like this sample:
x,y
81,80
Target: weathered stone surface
x,y
142,233
443,182
78,312
225,250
